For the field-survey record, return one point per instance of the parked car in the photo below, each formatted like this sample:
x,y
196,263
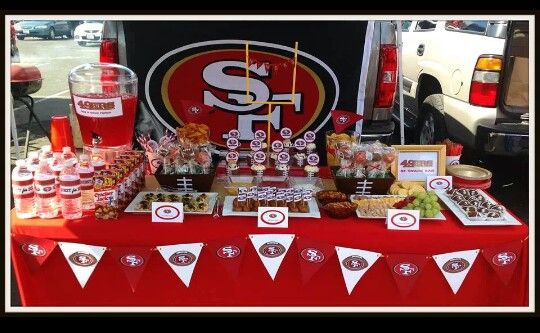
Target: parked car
x,y
468,80
43,29
89,32
210,56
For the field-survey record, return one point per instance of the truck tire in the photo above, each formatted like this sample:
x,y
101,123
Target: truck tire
x,y
431,127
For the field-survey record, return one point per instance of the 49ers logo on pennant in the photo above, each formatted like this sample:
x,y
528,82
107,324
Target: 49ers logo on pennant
x,y
342,119
272,249
228,252
455,265
355,263
82,259
132,260
312,255
215,70
182,258
504,258
35,250
405,269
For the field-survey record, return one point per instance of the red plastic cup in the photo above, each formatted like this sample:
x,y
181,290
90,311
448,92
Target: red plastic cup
x,y
61,135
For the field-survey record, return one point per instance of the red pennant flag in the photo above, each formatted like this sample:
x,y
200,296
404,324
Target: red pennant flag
x,y
503,259
406,268
229,253
133,261
312,256
37,250
195,112
343,119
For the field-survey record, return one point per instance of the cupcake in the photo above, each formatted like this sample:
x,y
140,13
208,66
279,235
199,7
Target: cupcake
x,y
310,147
258,169
232,166
300,158
311,170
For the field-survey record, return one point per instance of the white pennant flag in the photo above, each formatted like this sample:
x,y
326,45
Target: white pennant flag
x,y
272,248
455,266
82,259
354,264
182,258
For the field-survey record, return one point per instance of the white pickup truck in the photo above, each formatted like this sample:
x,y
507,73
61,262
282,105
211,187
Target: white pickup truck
x,y
468,80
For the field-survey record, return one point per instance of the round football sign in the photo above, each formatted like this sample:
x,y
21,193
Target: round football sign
x,y
455,265
234,134
255,145
272,249
233,143
286,133
277,146
313,159
272,217
309,136
260,135
300,144
182,258
259,157
439,184
232,156
283,157
83,259
403,220
167,212
355,263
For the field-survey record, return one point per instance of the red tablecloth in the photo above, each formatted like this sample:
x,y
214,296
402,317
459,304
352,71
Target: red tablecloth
x,y
54,283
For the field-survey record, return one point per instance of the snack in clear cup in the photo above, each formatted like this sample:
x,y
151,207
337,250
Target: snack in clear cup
x,y
300,158
311,170
258,169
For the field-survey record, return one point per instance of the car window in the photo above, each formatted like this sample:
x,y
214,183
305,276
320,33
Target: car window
x,y
466,26
425,25
405,25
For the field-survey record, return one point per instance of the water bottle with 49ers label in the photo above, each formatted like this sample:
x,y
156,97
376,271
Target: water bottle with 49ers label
x,y
47,206
23,191
86,173
70,191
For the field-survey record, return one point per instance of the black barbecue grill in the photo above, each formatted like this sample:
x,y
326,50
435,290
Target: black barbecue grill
x,y
25,80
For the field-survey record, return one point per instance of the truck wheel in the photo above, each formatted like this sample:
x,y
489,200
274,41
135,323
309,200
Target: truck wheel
x,y
431,128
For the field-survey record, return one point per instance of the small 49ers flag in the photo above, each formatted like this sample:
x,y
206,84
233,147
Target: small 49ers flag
x,y
354,264
344,119
406,268
182,258
503,259
271,249
82,259
455,266
196,112
229,253
36,250
133,261
312,256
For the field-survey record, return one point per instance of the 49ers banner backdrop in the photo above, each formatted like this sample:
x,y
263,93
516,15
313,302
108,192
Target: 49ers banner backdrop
x,y
207,65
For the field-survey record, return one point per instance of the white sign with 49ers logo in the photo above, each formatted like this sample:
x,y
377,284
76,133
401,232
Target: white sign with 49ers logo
x,y
273,217
82,259
271,249
455,266
354,264
182,258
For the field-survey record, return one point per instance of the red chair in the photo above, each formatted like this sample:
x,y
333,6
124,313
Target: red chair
x,y
25,80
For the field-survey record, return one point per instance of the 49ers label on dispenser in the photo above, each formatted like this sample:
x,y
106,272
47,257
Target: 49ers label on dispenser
x,y
70,188
23,189
98,107
45,188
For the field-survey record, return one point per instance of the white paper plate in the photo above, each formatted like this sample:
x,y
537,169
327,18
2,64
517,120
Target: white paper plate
x,y
508,219
438,217
228,209
212,199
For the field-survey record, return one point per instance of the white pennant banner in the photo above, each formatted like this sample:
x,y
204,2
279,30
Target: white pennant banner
x,y
354,264
182,258
82,259
272,248
455,266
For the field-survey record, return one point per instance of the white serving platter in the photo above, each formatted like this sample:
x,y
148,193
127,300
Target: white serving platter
x,y
507,218
228,209
212,199
438,217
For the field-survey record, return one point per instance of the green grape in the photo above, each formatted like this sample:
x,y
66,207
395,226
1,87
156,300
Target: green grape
x,y
434,197
422,213
429,213
421,196
416,202
427,200
410,206
436,205
416,208
428,206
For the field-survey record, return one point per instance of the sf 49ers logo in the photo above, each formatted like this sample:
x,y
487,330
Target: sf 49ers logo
x,y
228,251
272,249
194,109
132,260
504,258
82,259
355,263
405,269
342,119
182,258
312,255
216,71
35,250
455,265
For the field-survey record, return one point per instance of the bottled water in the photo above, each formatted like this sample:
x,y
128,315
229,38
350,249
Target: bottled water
x,y
23,190
46,154
47,206
68,155
32,162
57,165
98,162
86,173
70,191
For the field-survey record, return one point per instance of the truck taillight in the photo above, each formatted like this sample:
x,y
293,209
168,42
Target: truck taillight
x,y
108,51
485,81
386,78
